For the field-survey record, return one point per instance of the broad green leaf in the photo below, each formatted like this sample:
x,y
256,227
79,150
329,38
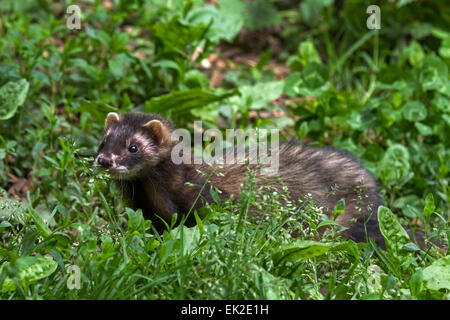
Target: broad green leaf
x,y
191,238
411,247
349,145
315,75
196,79
359,122
283,122
303,249
268,285
350,247
40,224
395,164
442,103
176,36
394,234
97,109
312,81
308,52
414,53
446,118
259,95
328,222
437,276
5,224
303,130
311,10
13,210
438,32
103,37
232,13
182,101
226,21
99,35
414,111
135,219
118,65
261,14
107,244
29,270
214,195
415,282
444,50
433,74
119,41
423,129
168,64
12,96
89,70
429,206
294,63
339,208
293,83
411,199
18,6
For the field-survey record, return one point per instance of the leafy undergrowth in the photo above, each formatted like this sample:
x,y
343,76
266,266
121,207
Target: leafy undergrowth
x,y
383,96
228,255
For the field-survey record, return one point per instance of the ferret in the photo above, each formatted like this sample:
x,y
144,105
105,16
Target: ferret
x,y
136,151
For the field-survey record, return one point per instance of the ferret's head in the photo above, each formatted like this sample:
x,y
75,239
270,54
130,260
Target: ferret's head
x,y
133,142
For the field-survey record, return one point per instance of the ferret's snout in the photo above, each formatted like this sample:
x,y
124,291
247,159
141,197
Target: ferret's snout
x,y
105,162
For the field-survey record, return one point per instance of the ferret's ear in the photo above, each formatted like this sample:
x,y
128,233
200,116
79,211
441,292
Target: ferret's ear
x,y
158,130
111,118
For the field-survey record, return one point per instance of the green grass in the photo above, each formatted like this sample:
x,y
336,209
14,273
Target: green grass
x,y
382,95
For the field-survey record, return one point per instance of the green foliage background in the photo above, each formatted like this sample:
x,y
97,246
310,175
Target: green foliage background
x,y
382,95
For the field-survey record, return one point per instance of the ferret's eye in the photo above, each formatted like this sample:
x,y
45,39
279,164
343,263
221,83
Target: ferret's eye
x,y
133,148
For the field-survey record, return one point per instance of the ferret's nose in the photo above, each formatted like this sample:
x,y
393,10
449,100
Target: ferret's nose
x,y
104,162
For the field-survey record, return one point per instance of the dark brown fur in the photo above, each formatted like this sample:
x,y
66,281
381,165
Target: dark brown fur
x,y
159,184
